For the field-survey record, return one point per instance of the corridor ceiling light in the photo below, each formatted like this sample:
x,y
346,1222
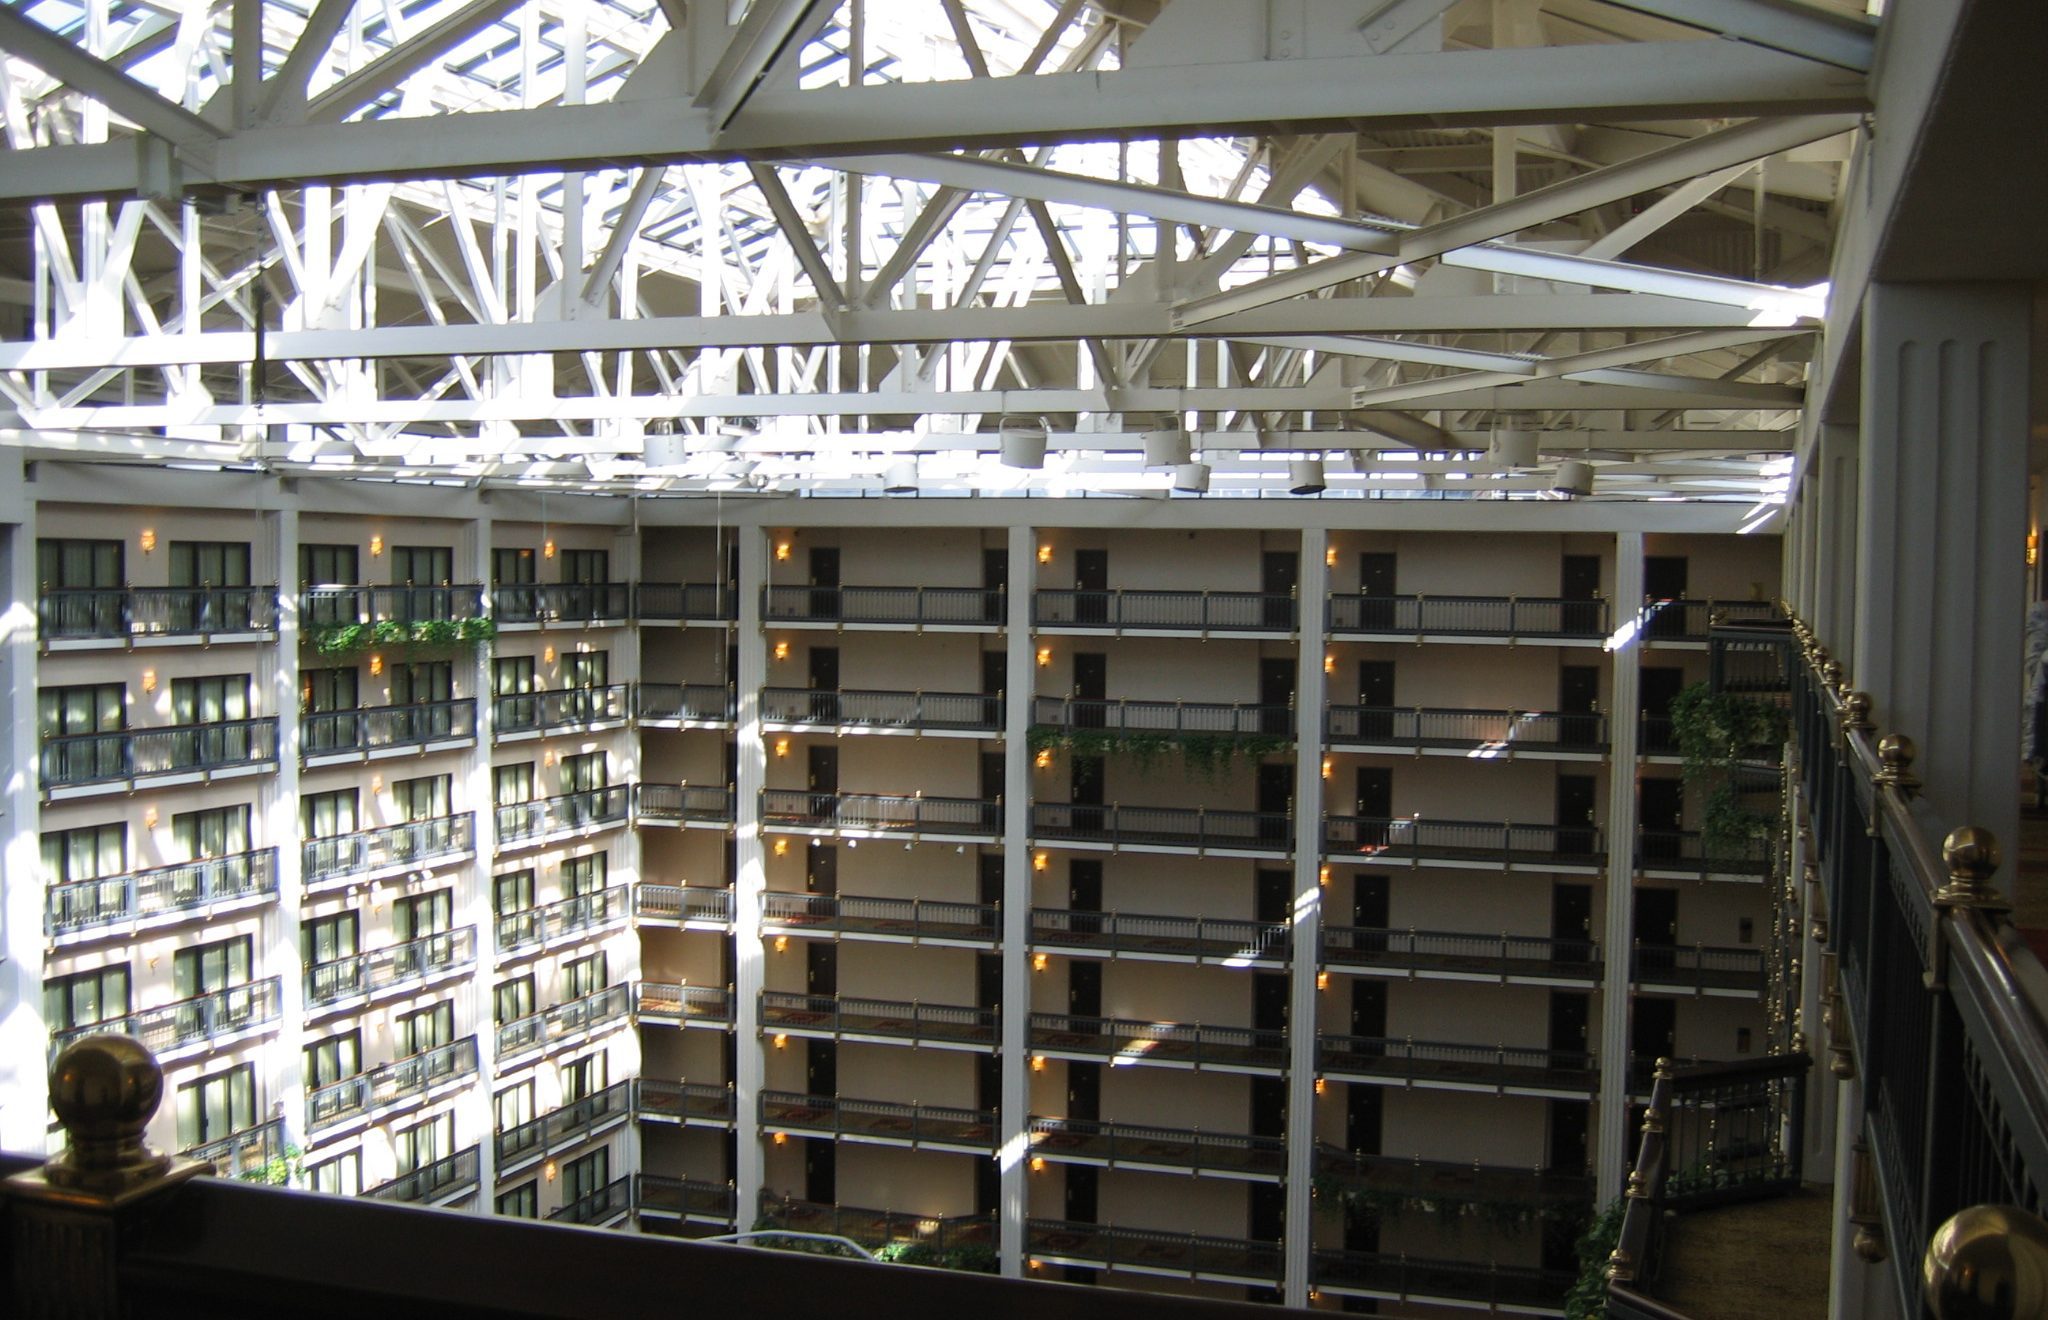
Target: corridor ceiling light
x,y
1166,447
1191,478
1305,477
1022,443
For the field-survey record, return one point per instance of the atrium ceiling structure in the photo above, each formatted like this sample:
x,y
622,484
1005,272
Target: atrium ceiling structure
x,y
795,247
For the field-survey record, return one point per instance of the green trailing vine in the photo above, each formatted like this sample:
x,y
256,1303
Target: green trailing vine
x,y
1587,1299
1715,731
281,1170
1207,756
344,639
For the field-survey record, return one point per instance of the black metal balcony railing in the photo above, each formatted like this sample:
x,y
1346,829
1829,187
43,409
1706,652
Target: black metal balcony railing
x,y
537,926
1413,839
326,606
1657,736
709,804
1161,1044
442,1180
683,1005
1204,611
1455,1065
397,1081
1175,717
699,703
937,606
1385,1274
1690,851
683,903
1165,827
200,1020
683,1102
878,1228
1461,953
562,708
1468,616
389,969
1481,733
567,1021
789,808
127,754
159,893
686,1198
372,728
878,1121
1230,941
881,918
97,614
1138,1146
561,602
1690,620
1752,657
1196,1255
1442,1180
589,809
558,1129
882,1019
709,602
249,1153
386,846
1699,968
876,709
608,1203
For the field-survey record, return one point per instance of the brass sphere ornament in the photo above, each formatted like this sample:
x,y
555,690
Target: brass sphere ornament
x,y
1988,1262
104,1090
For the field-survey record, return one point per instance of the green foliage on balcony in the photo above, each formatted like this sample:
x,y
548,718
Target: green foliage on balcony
x,y
1715,732
974,1257
1587,1299
281,1170
1506,1214
1207,756
402,637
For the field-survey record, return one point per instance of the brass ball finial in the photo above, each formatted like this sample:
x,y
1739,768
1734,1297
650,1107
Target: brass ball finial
x,y
1831,673
1856,712
1988,1262
1895,753
104,1090
1971,854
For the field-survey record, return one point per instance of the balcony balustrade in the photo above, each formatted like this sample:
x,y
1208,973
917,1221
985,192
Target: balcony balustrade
x,y
564,1127
692,1104
1159,1044
1462,955
874,1229
878,1122
443,1180
136,900
684,703
1200,829
606,1205
1139,1146
905,920
689,1199
1387,1275
206,1019
684,602
673,1003
1699,969
249,1153
125,756
1172,717
531,603
690,906
922,607
1656,736
351,733
1690,853
1691,620
401,966
1229,942
944,1026
88,614
591,808
1192,1255
565,1023
329,606
682,804
1412,839
1443,1181
1165,611
879,711
561,708
1476,617
394,1083
1448,1065
881,813
538,927
388,846
1481,735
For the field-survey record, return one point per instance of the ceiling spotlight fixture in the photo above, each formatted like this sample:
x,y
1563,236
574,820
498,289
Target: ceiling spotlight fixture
x,y
663,447
901,477
1514,448
1573,479
1192,478
1167,446
1305,477
1023,442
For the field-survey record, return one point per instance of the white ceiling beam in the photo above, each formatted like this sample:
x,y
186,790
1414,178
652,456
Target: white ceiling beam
x,y
284,93
1796,29
771,32
406,58
1618,240
72,66
796,231
1509,369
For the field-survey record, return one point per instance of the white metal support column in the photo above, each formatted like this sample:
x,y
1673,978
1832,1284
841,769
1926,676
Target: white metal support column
x,y
1611,1153
1832,609
1302,1017
1941,538
750,877
1013,1145
24,1037
622,952
479,795
277,556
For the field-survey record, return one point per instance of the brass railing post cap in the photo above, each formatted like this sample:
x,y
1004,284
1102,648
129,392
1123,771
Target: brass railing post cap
x,y
1971,853
1988,1262
104,1089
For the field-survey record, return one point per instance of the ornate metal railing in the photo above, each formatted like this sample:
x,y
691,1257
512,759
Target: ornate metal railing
x,y
1481,733
1194,1255
401,1079
877,1228
662,803
1162,1044
1459,1064
534,926
327,606
1468,616
884,1019
593,807
1414,839
705,703
879,1120
683,1005
791,808
1141,1146
602,1206
1231,941
883,605
202,1019
1169,717
444,1178
126,754
161,893
863,708
1200,828
899,918
558,708
562,602
684,903
561,1128
338,732
673,601
1207,611
390,845
91,614
388,969
1462,953
568,1021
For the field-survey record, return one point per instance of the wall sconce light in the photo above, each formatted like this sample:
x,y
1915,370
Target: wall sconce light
x,y
549,1170
782,650
782,1042
782,1138
1040,862
149,818
782,944
1326,767
1043,759
547,549
547,758
1037,962
547,655
1329,664
781,747
781,847
1045,554
148,539
2033,548
376,546
1323,876
781,550
1044,656
1330,556
149,680
1034,1263
1320,1085
376,665
1322,980
1038,1063
1038,1164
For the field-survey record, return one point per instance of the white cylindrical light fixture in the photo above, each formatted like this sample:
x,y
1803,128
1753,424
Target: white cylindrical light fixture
x,y
1023,444
1514,449
663,450
900,478
1305,477
1191,477
1573,478
1166,447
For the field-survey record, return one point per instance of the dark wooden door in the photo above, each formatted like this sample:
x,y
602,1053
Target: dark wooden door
x,y
822,768
1083,1184
1280,574
1565,1151
1273,896
1655,929
821,1171
995,579
1269,1001
1664,579
1660,807
1369,900
1574,815
1364,1111
1571,921
1579,587
1269,1106
1084,790
1660,684
1091,690
1570,1016
824,676
1091,586
988,981
821,968
821,869
1084,894
1376,699
824,565
1084,1092
1275,802
990,879
1376,587
821,1067
1084,989
1578,704
1276,695
1368,1008
1653,1030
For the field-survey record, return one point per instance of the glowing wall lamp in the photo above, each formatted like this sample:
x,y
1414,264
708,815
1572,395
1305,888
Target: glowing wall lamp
x,y
148,539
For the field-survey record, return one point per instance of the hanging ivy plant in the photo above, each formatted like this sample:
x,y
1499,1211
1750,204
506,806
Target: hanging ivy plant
x,y
1587,1299
1715,731
344,639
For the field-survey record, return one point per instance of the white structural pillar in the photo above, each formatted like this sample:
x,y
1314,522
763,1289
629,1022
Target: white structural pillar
x,y
24,1037
1013,1150
277,556
1830,608
1611,1153
1302,1017
1941,539
750,877
479,795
